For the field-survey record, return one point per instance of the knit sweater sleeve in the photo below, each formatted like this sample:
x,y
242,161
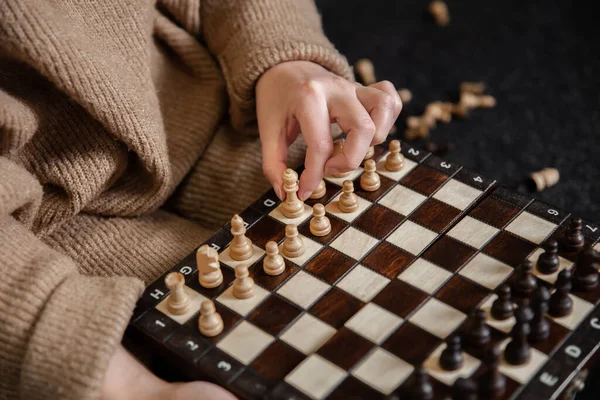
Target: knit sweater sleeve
x,y
53,320
250,36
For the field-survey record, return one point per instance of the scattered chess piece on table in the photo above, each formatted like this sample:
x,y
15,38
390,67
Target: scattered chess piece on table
x,y
585,270
366,71
525,282
370,180
370,153
348,201
439,11
240,248
503,308
518,351
292,206
464,389
319,191
492,383
544,178
338,148
209,269
210,322
319,224
292,245
573,239
560,304
273,264
479,334
243,286
178,302
405,95
394,160
451,358
417,128
421,389
476,88
540,327
548,261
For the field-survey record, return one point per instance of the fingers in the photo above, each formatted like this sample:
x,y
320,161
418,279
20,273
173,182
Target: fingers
x,y
274,151
383,103
316,130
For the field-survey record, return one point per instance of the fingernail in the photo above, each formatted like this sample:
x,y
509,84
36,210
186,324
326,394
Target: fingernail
x,y
278,192
331,171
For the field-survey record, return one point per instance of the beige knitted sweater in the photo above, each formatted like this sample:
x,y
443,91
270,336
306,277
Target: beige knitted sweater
x,y
116,160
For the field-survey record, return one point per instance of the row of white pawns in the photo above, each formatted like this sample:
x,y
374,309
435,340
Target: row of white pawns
x,y
210,276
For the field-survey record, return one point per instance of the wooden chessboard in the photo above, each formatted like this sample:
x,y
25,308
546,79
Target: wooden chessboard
x,y
354,315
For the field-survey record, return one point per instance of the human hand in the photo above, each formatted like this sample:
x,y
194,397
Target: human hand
x,y
127,379
301,96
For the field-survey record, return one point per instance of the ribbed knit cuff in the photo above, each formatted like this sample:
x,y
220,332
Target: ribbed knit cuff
x,y
78,332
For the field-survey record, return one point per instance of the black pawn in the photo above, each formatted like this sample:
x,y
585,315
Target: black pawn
x,y
492,383
561,304
464,389
548,261
573,239
421,389
525,283
518,351
451,358
540,327
503,308
479,334
585,275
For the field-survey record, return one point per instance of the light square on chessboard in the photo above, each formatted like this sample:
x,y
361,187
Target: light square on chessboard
x,y
303,289
310,249
354,243
277,214
502,325
350,177
308,334
473,232
333,208
486,271
551,278
425,276
597,246
363,283
396,176
316,377
374,323
581,308
195,300
531,227
457,194
412,237
242,306
438,318
226,259
402,199
522,373
245,342
432,365
383,371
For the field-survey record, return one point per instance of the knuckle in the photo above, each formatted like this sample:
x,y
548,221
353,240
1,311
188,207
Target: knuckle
x,y
366,126
322,146
310,88
388,86
388,102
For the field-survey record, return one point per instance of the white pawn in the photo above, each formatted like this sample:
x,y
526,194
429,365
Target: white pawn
x,y
209,269
273,263
348,200
370,180
319,224
370,153
243,286
240,248
292,206
210,322
394,160
178,301
319,191
292,245
338,148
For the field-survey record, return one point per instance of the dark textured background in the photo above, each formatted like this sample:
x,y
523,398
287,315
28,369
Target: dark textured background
x,y
540,59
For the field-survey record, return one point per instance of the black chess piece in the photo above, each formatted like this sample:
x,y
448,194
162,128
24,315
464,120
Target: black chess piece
x,y
585,273
421,389
502,307
479,334
451,358
518,351
540,327
525,283
492,383
464,389
560,304
548,261
573,239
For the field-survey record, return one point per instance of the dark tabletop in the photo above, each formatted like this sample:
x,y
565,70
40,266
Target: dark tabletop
x,y
540,60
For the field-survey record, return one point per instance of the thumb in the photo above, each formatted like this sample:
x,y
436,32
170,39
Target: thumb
x,y
274,153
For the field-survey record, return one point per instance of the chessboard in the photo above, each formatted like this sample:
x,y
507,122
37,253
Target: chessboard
x,y
433,287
